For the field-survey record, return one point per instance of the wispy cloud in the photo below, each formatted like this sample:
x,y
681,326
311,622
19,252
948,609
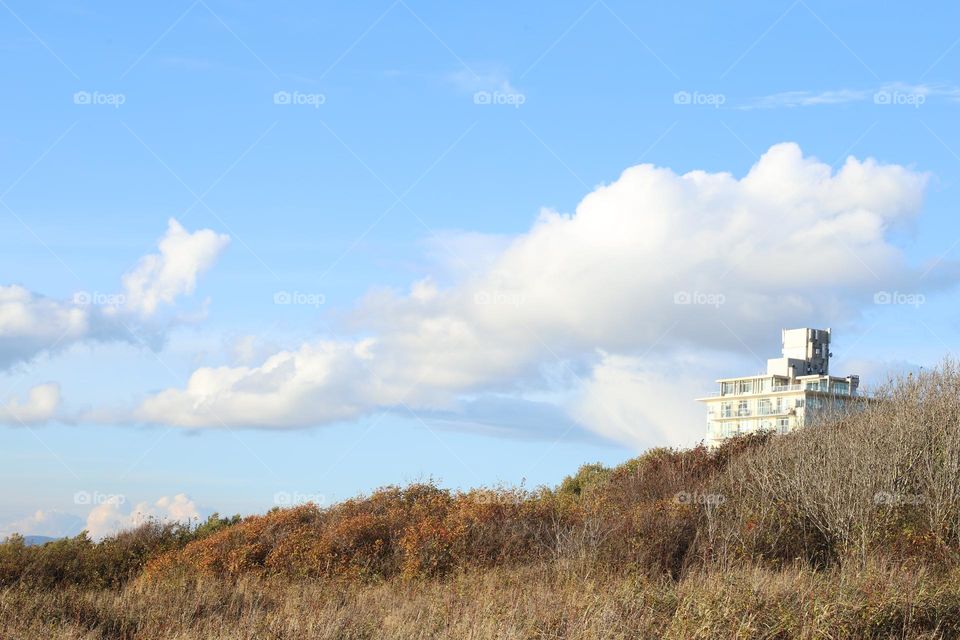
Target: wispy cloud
x,y
884,94
806,99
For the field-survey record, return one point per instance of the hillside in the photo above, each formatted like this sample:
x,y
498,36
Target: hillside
x,y
845,529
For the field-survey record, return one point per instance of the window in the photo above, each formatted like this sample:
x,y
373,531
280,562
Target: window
x,y
783,425
842,388
746,386
765,407
726,410
727,388
743,408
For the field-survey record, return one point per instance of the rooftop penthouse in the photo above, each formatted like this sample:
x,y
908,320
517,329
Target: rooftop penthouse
x,y
795,386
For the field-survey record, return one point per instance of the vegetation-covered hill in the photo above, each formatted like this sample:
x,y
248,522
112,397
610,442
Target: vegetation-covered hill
x,y
845,529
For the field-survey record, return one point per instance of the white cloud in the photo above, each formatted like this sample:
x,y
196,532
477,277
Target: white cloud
x,y
107,518
249,349
883,94
31,324
322,382
40,405
807,98
642,402
111,517
54,524
792,242
161,278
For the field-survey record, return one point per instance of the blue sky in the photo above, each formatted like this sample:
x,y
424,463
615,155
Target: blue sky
x,y
381,266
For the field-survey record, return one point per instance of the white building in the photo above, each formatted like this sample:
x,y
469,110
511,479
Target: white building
x,y
795,386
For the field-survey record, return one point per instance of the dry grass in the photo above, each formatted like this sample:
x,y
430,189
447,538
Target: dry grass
x,y
520,603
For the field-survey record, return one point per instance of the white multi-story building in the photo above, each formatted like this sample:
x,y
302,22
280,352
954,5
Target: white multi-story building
x,y
795,386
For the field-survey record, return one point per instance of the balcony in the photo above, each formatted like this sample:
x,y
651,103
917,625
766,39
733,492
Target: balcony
x,y
750,413
786,388
779,389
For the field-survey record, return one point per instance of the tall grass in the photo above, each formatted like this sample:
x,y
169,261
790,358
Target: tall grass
x,y
543,601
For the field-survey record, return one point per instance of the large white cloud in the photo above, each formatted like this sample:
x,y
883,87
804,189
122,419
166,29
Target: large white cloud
x,y
649,264
31,324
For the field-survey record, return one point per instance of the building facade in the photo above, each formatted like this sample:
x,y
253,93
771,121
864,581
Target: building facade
x,y
795,387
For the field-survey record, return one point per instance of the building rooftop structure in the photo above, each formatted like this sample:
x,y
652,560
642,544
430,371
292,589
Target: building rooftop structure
x,y
794,388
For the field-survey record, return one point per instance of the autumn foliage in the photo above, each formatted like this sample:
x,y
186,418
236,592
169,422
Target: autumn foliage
x,y
633,516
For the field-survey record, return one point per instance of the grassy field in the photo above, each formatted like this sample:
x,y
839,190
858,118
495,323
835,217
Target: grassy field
x,y
846,529
520,603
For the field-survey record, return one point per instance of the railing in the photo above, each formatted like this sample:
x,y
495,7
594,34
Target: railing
x,y
786,387
748,413
781,389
